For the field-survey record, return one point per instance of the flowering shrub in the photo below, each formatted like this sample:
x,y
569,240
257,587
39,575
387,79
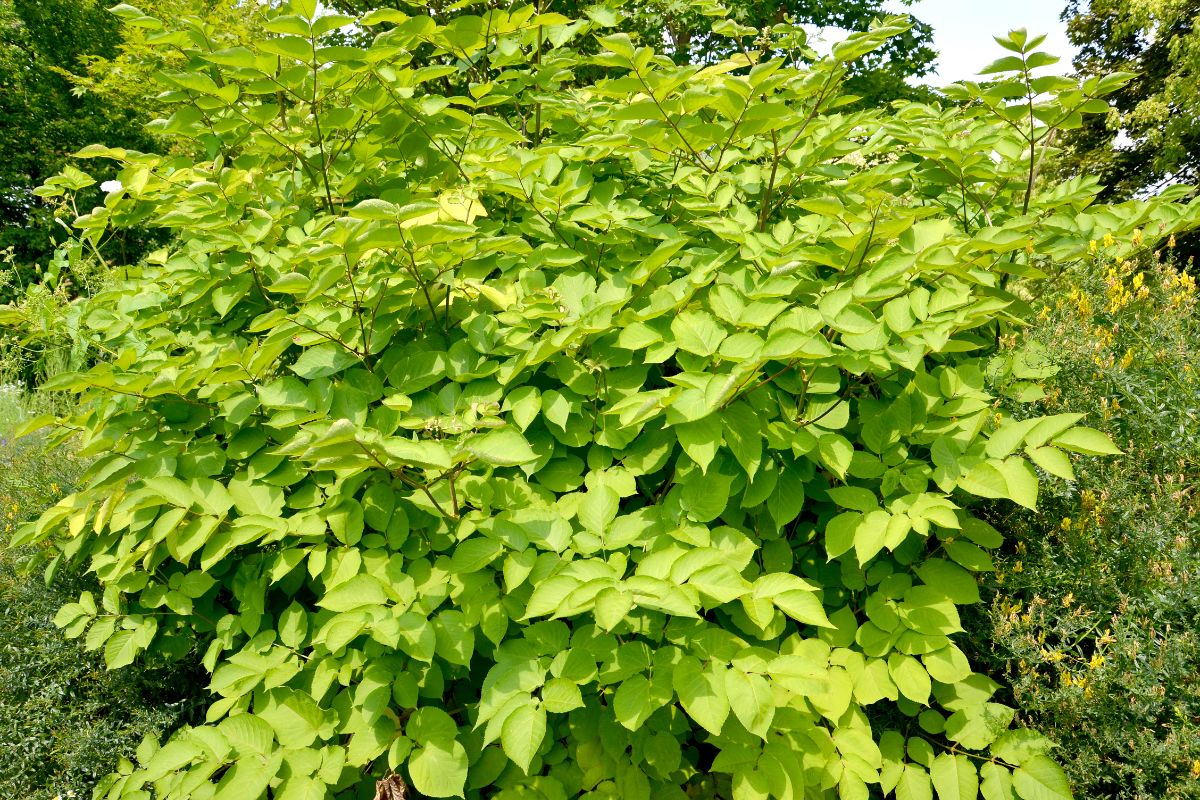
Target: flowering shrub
x,y
501,431
1094,621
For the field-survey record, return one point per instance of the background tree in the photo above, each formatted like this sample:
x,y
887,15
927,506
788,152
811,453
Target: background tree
x,y
1159,110
42,118
74,75
683,29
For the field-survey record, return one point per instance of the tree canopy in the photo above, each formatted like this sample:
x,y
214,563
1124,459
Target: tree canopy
x,y
42,119
1152,136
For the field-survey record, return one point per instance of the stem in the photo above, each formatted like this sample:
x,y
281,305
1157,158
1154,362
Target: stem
x,y
320,136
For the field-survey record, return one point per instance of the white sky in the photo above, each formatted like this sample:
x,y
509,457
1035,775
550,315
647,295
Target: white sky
x,y
963,30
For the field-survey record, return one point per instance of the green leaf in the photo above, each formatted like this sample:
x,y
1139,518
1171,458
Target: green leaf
x,y
910,677
914,784
247,779
697,332
635,701
836,452
702,694
720,583
954,777
561,695
504,448
701,439
996,782
474,554
751,699
952,580
1053,461
1021,480
985,480
1088,441
523,733
120,649
611,607
598,509
375,209
975,727
430,724
248,734
1039,778
439,768
359,591
840,532
802,606
293,625
323,360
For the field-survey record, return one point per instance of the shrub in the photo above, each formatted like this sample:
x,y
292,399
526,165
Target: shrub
x,y
64,719
1095,620
534,436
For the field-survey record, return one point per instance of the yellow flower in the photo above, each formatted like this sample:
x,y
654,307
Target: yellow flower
x,y
1137,236
1109,241
1093,246
1066,524
1171,244
1096,662
1127,359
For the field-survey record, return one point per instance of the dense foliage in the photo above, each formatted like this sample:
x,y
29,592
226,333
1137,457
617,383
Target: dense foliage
x,y
1151,138
683,30
72,76
1096,622
565,437
64,718
42,121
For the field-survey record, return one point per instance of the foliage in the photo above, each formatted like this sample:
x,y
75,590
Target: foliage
x,y
64,719
684,30
1158,111
42,120
1095,619
563,437
41,334
125,78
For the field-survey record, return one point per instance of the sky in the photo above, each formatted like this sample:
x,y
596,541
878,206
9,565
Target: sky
x,y
963,30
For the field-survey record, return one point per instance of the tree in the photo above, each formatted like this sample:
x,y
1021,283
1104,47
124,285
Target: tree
x,y
554,437
1156,114
683,29
42,120
73,76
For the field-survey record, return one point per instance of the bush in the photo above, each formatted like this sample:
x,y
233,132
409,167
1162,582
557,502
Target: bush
x,y
510,434
1095,620
64,719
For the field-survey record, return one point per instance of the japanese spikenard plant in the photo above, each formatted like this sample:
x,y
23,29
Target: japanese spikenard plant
x,y
534,437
